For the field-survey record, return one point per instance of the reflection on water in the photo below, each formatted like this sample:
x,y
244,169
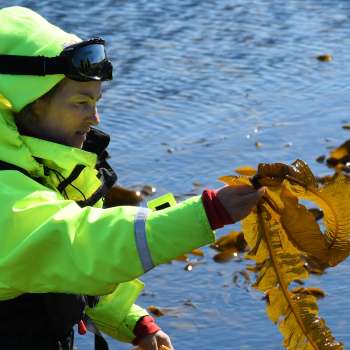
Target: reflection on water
x,y
198,85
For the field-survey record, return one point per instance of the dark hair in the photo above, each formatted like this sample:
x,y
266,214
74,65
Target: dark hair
x,y
27,116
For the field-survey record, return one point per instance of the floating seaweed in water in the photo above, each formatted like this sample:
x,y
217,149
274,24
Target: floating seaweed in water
x,y
327,57
229,246
340,156
232,240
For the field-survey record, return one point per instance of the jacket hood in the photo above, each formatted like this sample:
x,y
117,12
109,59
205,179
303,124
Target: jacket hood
x,y
24,32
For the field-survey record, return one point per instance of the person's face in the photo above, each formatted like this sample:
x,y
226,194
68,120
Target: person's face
x,y
66,116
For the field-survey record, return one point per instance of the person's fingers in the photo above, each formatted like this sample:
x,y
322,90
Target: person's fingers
x,y
253,196
242,195
239,200
149,343
154,344
164,342
262,191
164,347
240,189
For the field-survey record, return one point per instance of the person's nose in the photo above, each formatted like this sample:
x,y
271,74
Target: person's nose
x,y
94,117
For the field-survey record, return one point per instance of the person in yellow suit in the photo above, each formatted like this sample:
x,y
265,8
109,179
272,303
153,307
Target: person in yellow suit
x,y
64,258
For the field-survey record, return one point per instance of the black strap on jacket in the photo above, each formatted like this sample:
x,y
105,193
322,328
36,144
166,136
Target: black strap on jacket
x,y
74,175
9,166
55,313
107,181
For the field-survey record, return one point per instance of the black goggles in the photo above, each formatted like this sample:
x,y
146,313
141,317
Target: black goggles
x,y
84,61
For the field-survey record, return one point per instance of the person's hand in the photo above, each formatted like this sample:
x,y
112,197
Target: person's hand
x,y
239,200
156,341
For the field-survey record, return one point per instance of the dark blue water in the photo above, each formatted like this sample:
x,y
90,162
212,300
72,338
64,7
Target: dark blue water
x,y
198,84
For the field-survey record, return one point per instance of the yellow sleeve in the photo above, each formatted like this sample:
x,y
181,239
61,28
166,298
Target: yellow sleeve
x,y
115,314
49,244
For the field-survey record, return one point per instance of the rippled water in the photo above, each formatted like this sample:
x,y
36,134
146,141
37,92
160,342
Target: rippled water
x,y
198,84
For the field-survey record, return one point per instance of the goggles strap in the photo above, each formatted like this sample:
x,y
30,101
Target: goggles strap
x,y
32,65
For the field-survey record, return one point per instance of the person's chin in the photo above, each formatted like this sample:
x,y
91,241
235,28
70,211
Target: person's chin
x,y
79,140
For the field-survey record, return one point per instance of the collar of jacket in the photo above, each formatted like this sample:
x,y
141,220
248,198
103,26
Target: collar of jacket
x,y
38,156
59,157
59,161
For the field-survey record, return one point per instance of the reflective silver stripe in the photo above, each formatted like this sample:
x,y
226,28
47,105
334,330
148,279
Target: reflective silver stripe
x,y
141,239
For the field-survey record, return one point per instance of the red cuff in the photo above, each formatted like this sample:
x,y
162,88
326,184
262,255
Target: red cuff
x,y
144,326
216,213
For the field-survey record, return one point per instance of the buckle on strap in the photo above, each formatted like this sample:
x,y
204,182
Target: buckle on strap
x,y
106,179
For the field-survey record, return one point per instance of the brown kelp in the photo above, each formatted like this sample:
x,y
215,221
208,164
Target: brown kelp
x,y
281,232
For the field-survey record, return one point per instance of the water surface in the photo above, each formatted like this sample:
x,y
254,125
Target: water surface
x,y
198,85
